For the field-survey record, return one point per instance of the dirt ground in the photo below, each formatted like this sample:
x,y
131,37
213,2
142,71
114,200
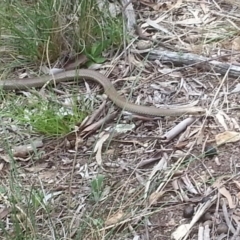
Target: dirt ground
x,y
155,187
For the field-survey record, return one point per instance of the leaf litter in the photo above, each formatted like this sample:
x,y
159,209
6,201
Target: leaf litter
x,y
155,192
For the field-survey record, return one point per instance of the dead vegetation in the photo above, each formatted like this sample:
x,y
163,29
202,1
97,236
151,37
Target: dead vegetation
x,y
116,176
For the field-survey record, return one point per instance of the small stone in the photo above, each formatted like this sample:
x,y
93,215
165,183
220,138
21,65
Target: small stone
x,y
210,151
207,216
205,199
188,211
237,166
208,222
142,45
222,228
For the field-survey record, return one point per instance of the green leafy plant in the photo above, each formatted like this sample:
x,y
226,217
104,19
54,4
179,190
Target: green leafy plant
x,y
94,52
46,117
51,122
97,186
40,32
36,33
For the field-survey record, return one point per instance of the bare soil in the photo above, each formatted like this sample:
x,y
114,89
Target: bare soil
x,y
64,168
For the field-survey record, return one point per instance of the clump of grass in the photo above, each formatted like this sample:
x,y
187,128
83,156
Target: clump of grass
x,y
42,31
51,122
97,187
45,117
27,206
36,33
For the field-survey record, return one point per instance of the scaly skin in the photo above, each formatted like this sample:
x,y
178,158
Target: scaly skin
x,y
111,92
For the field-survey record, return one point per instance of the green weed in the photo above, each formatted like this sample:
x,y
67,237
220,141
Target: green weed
x,y
97,187
42,31
35,33
46,117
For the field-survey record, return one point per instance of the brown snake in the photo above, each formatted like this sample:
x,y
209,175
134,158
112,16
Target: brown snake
x,y
109,89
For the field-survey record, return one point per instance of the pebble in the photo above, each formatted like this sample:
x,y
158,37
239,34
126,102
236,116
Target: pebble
x,y
142,45
188,211
222,228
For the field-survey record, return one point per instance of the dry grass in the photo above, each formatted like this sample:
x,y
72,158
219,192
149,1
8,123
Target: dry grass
x,y
100,184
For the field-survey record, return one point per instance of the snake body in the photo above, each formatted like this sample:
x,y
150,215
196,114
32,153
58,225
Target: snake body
x,y
111,92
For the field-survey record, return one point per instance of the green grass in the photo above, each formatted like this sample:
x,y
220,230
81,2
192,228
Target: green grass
x,y
50,118
42,31
36,33
97,186
23,204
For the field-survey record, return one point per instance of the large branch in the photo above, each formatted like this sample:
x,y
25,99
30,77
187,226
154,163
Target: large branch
x,y
190,59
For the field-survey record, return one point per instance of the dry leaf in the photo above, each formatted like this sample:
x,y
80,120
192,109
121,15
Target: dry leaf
x,y
236,89
181,231
5,158
178,4
162,164
204,7
236,44
237,184
238,195
134,61
24,150
98,148
37,168
154,197
220,116
157,26
220,180
4,212
180,127
188,184
189,21
113,8
47,175
227,137
154,6
228,196
124,128
75,62
115,218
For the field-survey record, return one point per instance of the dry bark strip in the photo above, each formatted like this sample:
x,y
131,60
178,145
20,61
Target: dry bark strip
x,y
190,59
178,128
